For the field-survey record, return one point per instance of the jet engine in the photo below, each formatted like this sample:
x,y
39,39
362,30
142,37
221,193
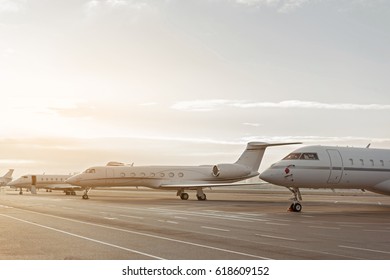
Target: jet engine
x,y
227,171
381,188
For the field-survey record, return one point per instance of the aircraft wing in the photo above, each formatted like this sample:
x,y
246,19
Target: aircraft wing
x,y
61,187
210,185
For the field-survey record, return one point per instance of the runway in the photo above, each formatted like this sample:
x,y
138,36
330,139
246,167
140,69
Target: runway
x,y
231,224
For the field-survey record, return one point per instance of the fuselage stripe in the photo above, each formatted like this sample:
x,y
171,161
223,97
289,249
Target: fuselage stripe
x,y
333,168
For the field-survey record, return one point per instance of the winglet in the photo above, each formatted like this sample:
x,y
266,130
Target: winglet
x,y
265,144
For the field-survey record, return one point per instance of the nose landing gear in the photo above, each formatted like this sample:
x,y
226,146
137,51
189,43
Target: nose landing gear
x,y
85,195
296,205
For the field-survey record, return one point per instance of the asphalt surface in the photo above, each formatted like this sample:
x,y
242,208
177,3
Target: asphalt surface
x,y
231,224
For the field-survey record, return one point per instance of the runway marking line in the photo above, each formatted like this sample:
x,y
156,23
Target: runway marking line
x,y
276,224
213,228
276,237
377,230
180,218
151,236
198,214
168,222
133,217
321,227
364,249
82,237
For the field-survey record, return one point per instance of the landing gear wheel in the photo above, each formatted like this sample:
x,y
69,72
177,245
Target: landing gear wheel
x,y
201,197
73,193
85,196
295,207
184,196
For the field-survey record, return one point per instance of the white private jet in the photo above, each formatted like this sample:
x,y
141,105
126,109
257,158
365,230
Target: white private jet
x,y
332,168
48,182
6,178
179,178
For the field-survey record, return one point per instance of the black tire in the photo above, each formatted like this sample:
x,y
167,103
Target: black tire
x,y
297,207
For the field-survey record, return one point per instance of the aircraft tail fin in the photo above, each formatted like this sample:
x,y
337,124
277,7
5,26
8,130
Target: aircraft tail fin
x,y
8,175
254,153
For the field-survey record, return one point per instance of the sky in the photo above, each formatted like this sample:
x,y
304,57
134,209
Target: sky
x,y
188,82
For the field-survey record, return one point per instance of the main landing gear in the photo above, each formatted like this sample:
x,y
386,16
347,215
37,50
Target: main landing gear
x,y
70,192
184,196
296,205
200,195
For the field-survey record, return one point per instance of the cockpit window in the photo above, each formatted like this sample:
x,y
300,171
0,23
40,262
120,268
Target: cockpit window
x,y
90,170
309,156
303,156
292,156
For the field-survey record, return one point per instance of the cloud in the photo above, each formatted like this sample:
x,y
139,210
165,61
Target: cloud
x,y
148,104
107,3
8,53
281,6
217,104
252,124
14,6
94,5
201,105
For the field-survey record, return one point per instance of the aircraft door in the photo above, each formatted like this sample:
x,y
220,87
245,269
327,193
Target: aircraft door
x,y
336,166
34,184
34,180
109,175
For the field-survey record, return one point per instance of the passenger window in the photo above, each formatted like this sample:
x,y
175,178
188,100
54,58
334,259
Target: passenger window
x,y
362,162
181,174
351,161
382,162
372,162
171,174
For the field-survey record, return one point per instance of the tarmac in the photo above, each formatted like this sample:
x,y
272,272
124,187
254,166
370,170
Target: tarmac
x,y
232,224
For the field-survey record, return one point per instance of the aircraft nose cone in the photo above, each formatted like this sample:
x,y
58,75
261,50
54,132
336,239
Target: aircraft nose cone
x,y
266,175
72,180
